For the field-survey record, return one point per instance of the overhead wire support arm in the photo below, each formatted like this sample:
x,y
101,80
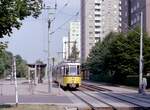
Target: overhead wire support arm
x,y
65,23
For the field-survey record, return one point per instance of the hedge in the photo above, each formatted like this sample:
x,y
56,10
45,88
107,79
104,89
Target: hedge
x,y
131,80
134,81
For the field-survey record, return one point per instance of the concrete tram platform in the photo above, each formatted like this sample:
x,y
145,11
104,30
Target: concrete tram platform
x,y
38,95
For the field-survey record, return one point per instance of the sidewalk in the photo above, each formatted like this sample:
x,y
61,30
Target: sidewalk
x,y
7,88
32,94
116,89
38,95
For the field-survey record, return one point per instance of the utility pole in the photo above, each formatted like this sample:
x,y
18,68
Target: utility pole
x,y
53,64
65,51
15,78
49,72
141,58
69,46
75,55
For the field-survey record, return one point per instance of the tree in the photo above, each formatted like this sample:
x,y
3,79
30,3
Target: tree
x,y
74,53
21,66
5,63
117,56
97,57
12,12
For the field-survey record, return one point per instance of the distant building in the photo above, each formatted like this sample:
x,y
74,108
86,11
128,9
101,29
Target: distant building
x,y
74,36
72,39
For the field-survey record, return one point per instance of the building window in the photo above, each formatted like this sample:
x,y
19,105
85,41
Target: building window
x,y
97,38
120,24
132,22
97,9
97,32
77,34
120,8
138,18
97,4
126,14
126,3
120,19
97,26
131,10
119,2
97,21
120,13
138,4
135,20
97,15
134,8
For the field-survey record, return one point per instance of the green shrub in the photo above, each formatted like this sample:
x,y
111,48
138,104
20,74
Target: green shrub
x,y
133,80
101,78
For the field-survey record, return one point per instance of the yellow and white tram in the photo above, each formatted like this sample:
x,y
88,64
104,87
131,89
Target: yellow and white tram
x,y
67,74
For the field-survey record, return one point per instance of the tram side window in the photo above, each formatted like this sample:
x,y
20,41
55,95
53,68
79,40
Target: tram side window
x,y
78,69
62,70
67,70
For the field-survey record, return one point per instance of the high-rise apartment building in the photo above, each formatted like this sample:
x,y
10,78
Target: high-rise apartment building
x,y
131,14
72,39
74,36
98,18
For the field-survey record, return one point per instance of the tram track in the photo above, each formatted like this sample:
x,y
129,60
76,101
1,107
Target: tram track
x,y
137,98
91,106
101,90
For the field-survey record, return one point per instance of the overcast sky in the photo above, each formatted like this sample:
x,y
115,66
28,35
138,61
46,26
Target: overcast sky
x,y
31,40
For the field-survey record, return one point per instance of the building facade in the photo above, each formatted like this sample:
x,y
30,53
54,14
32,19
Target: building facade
x,y
148,16
74,36
72,39
98,19
131,14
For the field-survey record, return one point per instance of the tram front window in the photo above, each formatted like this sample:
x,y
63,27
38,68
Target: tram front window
x,y
73,70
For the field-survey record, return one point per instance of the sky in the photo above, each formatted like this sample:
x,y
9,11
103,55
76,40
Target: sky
x,y
31,40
